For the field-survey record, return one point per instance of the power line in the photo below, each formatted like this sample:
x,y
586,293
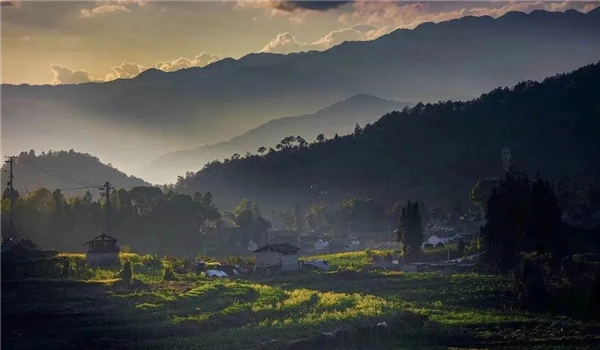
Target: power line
x,y
75,188
57,175
25,190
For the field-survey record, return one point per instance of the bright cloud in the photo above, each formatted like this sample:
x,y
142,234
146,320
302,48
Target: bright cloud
x,y
128,70
104,9
64,75
201,60
410,15
287,42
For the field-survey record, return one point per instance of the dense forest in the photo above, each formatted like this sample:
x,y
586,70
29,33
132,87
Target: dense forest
x,y
71,171
431,152
154,220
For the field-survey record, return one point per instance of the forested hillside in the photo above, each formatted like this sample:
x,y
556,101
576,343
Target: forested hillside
x,y
158,113
70,171
340,118
433,152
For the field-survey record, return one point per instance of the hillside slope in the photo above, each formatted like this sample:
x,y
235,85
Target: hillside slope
x,y
339,118
193,107
434,152
71,171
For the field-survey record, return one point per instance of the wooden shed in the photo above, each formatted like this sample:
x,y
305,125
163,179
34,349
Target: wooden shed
x,y
279,257
102,251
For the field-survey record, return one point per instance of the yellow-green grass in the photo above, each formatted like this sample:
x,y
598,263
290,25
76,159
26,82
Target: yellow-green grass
x,y
358,259
465,310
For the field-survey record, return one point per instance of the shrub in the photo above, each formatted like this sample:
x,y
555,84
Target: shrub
x,y
127,272
169,274
151,261
529,287
169,258
234,260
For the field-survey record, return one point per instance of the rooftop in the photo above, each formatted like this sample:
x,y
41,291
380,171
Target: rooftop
x,y
279,248
101,239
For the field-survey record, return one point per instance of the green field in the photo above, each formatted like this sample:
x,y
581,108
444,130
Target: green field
x,y
287,311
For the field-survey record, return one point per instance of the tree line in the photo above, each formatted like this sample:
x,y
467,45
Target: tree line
x,y
431,152
144,218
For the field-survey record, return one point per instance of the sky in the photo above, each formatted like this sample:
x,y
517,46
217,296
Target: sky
x,y
72,42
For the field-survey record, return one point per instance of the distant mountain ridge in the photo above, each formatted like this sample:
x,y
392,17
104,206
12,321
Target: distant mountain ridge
x,y
196,106
339,118
74,172
433,152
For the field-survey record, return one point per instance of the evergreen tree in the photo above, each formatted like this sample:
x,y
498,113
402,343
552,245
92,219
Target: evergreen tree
x,y
507,216
416,235
410,230
543,232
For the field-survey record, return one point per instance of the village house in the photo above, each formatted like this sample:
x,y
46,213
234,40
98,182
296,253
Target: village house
x,y
102,251
278,257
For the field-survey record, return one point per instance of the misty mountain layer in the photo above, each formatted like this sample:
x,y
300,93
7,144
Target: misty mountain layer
x,y
433,152
135,121
339,118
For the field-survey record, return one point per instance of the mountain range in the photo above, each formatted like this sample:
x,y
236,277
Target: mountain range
x,y
135,121
339,118
433,153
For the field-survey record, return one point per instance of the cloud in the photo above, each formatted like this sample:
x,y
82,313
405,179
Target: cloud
x,y
589,7
126,70
396,15
410,15
284,43
377,18
290,6
64,75
201,60
296,11
287,42
137,2
104,9
307,5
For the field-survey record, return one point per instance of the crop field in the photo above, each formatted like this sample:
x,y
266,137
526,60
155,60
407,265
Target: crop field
x,y
338,309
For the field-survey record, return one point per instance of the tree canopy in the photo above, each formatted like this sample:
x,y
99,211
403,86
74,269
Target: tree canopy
x,y
434,152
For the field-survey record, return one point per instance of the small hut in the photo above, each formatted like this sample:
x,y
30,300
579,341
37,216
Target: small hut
x,y
279,257
102,251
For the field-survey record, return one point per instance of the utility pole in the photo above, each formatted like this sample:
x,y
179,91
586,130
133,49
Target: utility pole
x,y
10,186
448,245
107,187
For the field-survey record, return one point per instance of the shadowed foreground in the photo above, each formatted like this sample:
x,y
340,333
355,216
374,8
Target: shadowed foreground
x,y
338,310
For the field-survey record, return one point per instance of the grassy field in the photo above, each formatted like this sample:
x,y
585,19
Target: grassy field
x,y
287,311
